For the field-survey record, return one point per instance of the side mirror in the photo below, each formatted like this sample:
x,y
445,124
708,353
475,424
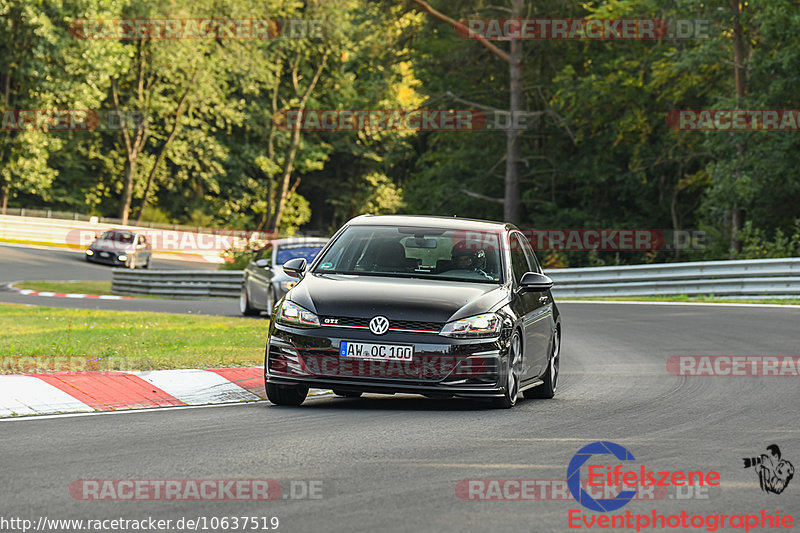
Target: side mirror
x,y
262,263
295,267
535,282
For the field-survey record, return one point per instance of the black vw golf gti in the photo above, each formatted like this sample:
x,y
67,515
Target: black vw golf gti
x,y
442,307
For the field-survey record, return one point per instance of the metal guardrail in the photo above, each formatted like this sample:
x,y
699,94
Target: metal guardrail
x,y
180,284
758,277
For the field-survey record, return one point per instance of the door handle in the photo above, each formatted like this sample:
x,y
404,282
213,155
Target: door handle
x,y
543,299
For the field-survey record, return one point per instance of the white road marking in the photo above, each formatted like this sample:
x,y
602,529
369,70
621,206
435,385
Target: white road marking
x,y
26,395
196,387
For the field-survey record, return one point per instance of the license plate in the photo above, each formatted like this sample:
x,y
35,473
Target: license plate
x,y
366,350
103,254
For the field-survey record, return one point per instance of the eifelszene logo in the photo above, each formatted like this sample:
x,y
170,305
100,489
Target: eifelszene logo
x,y
774,473
574,476
600,475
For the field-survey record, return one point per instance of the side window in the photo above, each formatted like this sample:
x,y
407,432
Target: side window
x,y
519,263
526,246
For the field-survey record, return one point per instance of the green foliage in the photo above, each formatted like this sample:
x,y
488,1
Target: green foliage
x,y
599,154
298,212
756,244
152,213
236,259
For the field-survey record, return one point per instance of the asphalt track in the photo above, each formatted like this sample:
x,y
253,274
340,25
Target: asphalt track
x,y
27,263
393,463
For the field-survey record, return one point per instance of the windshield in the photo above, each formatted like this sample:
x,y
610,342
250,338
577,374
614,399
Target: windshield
x,y
306,252
121,237
428,253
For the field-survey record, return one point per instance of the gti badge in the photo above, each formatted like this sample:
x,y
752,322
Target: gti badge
x,y
379,325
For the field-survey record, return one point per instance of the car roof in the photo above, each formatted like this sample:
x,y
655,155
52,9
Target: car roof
x,y
467,224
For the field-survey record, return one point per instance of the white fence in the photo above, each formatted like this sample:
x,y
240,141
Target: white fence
x,y
77,235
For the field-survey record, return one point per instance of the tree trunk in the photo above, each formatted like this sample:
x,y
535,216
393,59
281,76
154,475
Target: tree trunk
x,y
5,187
127,191
163,150
740,77
512,190
4,192
673,211
283,194
132,146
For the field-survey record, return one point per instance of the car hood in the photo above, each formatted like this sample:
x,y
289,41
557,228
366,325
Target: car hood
x,y
109,245
396,298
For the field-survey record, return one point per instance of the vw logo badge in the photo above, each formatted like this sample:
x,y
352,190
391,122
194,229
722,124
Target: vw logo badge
x,y
379,325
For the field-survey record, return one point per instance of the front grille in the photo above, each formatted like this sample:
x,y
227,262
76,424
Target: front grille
x,y
327,363
344,321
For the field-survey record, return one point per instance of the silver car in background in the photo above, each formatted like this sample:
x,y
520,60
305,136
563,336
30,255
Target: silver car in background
x,y
264,281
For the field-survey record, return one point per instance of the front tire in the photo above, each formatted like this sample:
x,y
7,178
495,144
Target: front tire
x,y
293,395
547,390
244,302
511,393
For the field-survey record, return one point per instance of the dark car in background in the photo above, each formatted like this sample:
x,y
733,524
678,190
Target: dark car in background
x,y
442,307
119,247
264,280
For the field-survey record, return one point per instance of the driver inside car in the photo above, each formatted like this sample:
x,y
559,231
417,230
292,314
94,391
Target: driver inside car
x,y
465,259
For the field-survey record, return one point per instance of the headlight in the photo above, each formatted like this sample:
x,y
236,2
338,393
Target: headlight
x,y
123,257
486,325
292,314
89,252
286,285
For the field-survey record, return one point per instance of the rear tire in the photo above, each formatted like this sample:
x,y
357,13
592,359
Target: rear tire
x,y
547,390
293,395
244,302
347,393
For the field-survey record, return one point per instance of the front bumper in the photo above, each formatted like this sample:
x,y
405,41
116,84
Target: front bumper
x,y
468,368
110,258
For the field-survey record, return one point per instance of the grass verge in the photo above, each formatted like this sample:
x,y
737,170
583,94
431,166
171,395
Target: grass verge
x,y
48,339
691,299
